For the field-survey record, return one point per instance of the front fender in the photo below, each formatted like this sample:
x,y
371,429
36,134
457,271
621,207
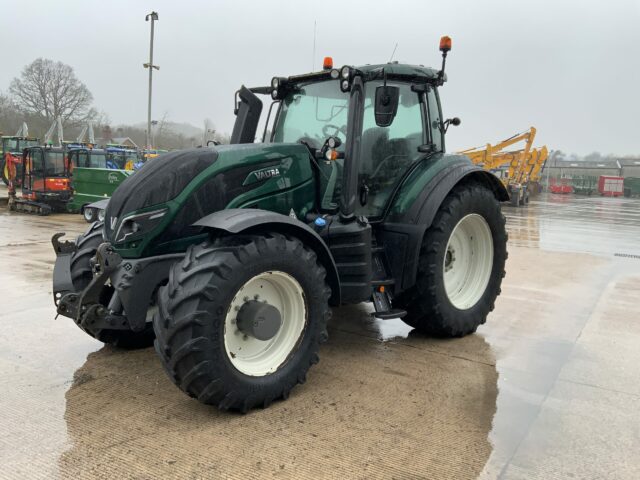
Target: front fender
x,y
247,220
100,204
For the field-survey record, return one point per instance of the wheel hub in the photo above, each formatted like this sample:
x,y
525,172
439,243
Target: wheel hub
x,y
468,261
449,258
259,320
264,323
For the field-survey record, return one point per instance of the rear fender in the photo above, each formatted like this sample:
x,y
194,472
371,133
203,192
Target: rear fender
x,y
251,220
410,215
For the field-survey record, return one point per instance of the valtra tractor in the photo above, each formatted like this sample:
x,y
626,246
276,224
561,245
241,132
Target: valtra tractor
x,y
230,257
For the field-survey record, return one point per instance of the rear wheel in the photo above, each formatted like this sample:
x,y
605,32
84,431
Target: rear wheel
x,y
242,318
81,275
461,265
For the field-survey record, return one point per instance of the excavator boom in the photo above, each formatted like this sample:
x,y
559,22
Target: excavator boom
x,y
524,166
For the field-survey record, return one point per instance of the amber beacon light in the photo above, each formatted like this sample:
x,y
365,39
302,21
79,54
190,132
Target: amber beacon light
x,y
445,43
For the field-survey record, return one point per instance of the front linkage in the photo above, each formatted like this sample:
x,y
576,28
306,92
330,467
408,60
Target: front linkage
x,y
109,297
85,307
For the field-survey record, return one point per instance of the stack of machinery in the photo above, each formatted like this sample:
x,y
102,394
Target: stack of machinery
x,y
519,169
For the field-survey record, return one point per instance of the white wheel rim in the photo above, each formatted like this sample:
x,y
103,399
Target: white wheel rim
x,y
88,214
468,261
255,357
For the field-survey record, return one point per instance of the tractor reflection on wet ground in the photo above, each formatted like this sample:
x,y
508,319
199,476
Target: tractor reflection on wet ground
x,y
546,388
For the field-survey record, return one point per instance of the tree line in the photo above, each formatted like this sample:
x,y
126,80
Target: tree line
x,y
46,90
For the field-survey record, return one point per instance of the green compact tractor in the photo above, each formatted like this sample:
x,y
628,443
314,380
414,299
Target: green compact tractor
x,y
230,257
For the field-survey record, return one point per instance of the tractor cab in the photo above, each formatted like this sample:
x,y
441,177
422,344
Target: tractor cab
x,y
122,158
365,127
87,158
12,147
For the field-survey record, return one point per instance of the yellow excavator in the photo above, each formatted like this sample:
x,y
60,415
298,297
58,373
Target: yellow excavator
x,y
519,169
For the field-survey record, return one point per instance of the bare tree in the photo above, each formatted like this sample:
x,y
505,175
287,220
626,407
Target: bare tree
x,y
51,89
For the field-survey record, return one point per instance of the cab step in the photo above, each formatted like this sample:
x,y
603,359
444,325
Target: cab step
x,y
382,304
388,315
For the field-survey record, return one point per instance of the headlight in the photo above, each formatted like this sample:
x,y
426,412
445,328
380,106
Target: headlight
x,y
345,72
344,86
274,94
136,226
335,74
275,82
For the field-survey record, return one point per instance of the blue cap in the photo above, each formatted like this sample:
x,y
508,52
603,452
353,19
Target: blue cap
x,y
320,222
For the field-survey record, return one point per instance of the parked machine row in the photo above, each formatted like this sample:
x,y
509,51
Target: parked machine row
x,y
66,177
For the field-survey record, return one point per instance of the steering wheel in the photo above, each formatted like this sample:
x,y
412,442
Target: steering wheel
x,y
327,134
385,160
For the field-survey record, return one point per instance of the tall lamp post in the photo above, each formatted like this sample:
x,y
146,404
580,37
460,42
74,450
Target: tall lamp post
x,y
153,16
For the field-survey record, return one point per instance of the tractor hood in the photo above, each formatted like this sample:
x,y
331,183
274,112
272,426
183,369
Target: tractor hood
x,y
160,203
157,182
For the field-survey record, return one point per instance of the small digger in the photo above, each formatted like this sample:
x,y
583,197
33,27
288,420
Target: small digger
x,y
45,181
229,258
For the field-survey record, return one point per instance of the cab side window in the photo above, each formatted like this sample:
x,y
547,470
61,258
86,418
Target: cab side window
x,y
387,152
37,162
435,119
83,159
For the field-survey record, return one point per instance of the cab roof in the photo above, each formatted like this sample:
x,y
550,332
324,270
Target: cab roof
x,y
393,70
417,72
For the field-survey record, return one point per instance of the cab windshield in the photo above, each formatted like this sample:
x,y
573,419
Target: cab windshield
x,y
312,113
11,145
15,145
54,164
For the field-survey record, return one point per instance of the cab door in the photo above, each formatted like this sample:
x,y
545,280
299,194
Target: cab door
x,y
33,171
386,153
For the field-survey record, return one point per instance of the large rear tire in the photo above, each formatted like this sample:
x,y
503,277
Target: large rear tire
x,y
81,275
199,337
461,265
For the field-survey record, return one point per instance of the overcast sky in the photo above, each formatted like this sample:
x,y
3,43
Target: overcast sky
x,y
569,68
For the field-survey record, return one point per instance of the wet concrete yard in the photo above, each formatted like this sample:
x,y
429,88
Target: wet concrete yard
x,y
548,388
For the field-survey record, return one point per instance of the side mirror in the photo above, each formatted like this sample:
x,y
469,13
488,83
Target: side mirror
x,y
455,121
386,107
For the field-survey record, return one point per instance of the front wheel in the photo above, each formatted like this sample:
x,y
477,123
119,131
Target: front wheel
x,y
242,318
461,265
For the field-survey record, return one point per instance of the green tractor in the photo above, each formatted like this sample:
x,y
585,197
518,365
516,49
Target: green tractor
x,y
230,257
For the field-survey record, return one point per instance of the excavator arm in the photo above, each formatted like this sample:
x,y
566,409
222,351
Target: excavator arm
x,y
524,164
